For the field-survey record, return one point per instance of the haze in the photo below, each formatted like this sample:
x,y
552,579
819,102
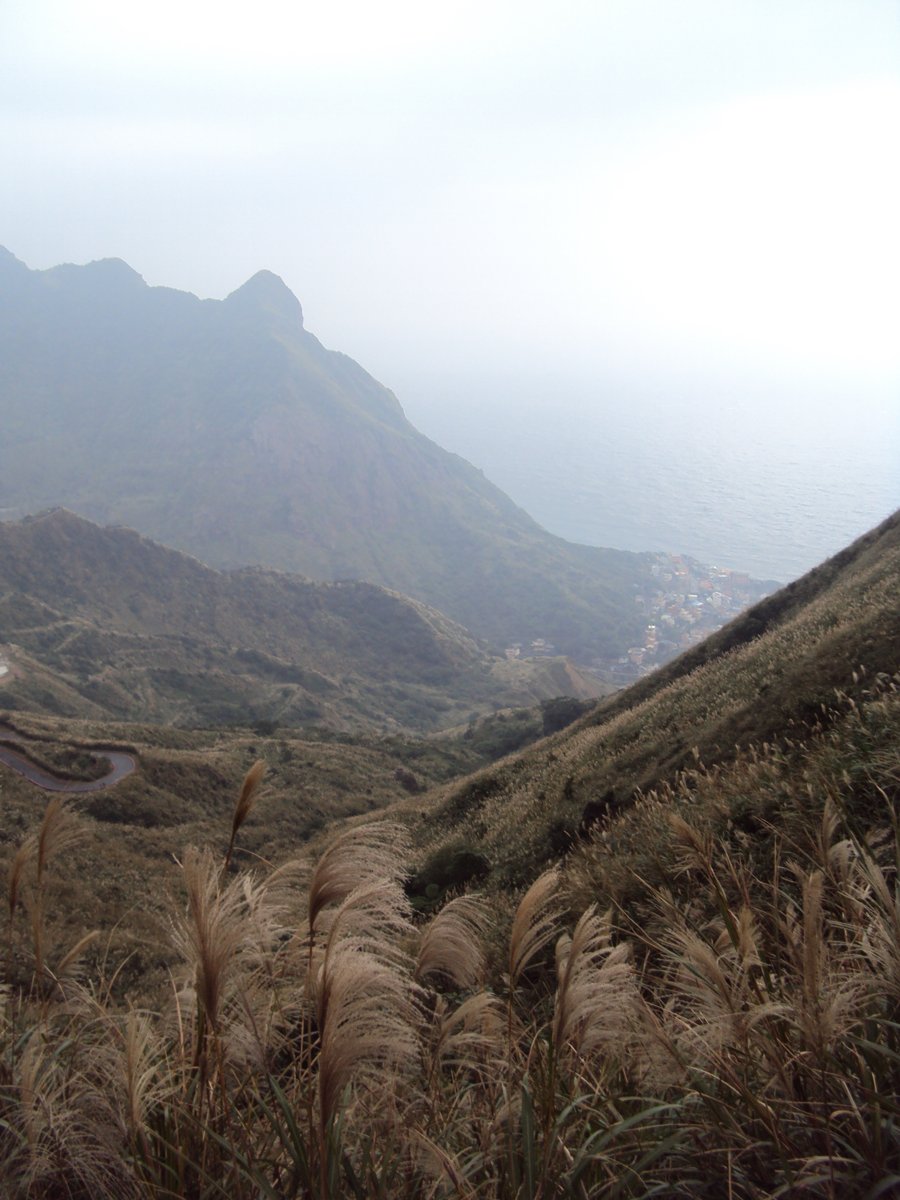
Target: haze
x,y
493,201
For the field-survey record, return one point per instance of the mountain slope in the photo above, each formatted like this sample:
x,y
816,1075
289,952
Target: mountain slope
x,y
744,731
108,623
227,430
724,1009
772,676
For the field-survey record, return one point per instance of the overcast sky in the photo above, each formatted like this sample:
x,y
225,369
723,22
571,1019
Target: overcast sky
x,y
624,182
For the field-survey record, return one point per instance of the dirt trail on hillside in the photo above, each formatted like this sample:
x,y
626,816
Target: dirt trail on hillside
x,y
121,765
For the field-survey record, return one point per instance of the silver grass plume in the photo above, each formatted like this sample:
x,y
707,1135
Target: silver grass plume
x,y
451,943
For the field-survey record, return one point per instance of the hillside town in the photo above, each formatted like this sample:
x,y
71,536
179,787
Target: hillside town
x,y
683,602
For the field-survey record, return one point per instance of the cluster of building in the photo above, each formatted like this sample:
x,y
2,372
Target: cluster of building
x,y
683,602
539,648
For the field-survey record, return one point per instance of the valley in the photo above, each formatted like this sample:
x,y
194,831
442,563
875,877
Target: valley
x,y
449,620
300,820
734,806
771,670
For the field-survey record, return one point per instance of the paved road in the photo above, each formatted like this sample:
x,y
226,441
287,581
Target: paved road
x,y
120,766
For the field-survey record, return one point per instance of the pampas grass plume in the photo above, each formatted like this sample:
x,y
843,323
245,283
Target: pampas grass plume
x,y
362,856
451,944
245,802
534,925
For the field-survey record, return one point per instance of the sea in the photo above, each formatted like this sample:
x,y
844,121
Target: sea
x,y
768,485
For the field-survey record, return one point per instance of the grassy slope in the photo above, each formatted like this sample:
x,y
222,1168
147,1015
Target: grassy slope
x,y
120,878
759,679
729,1027
183,793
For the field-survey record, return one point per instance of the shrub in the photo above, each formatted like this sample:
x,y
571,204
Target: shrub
x,y
451,868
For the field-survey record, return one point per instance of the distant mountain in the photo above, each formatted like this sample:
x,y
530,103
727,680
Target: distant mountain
x,y
226,429
104,623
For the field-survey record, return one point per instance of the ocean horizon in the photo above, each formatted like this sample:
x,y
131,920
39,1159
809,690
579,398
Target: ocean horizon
x,y
754,485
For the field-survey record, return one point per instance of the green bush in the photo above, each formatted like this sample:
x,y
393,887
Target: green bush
x,y
452,868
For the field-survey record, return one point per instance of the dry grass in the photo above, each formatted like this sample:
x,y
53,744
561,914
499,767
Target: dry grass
x,y
184,792
837,629
730,1027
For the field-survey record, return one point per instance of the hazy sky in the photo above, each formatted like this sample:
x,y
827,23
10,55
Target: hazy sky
x,y
608,179
698,191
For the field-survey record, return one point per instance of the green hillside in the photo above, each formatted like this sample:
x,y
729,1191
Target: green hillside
x,y
105,623
227,430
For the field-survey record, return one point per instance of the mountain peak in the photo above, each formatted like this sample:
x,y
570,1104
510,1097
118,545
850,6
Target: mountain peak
x,y
105,280
8,261
113,268
14,275
267,293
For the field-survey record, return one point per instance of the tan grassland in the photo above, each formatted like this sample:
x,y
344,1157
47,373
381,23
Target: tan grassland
x,y
729,1031
656,954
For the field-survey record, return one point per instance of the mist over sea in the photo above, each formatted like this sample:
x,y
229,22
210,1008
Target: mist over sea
x,y
767,485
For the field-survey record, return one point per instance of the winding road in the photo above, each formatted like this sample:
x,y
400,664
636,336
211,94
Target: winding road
x,y
121,765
